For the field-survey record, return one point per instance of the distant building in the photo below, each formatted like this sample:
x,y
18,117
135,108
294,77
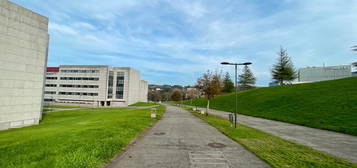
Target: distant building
x,y
314,74
23,56
354,69
94,85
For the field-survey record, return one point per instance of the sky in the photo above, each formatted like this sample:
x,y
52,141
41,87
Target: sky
x,y
176,41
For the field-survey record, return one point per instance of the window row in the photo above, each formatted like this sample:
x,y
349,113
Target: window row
x,y
79,78
51,78
78,93
50,92
51,85
119,93
80,86
79,71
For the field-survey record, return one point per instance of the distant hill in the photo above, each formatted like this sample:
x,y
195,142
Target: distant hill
x,y
330,105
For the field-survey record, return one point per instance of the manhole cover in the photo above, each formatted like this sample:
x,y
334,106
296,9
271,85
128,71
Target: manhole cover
x,y
216,145
159,133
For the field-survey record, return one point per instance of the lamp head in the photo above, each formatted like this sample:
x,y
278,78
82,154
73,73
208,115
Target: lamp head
x,y
247,63
225,63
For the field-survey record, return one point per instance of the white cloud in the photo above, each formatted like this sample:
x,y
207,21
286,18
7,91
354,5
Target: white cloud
x,y
203,33
62,29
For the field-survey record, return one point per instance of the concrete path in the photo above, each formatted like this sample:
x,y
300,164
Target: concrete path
x,y
340,145
180,140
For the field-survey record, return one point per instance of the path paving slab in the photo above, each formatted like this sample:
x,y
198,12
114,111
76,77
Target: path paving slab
x,y
337,144
181,140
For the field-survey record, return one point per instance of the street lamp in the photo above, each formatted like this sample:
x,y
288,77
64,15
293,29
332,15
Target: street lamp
x,y
236,86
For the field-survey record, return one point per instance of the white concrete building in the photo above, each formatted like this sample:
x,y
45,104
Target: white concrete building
x,y
94,85
314,74
23,56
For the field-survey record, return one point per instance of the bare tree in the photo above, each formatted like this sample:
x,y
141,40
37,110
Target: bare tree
x,y
210,84
192,93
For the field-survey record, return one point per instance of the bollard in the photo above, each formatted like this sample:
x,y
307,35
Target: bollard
x,y
231,118
153,113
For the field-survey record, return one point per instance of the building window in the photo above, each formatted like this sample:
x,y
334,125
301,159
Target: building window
x,y
78,93
79,71
110,84
51,85
119,93
51,78
79,86
79,78
50,92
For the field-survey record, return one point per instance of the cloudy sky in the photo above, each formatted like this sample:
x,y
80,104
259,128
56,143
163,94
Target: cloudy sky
x,y
174,41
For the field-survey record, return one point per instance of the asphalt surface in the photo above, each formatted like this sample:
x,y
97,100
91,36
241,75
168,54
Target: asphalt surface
x,y
180,140
337,144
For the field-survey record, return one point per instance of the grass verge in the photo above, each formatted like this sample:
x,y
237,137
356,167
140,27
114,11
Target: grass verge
x,y
143,104
76,138
330,105
274,150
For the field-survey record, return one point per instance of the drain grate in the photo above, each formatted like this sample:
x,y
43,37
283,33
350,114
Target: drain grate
x,y
216,145
159,133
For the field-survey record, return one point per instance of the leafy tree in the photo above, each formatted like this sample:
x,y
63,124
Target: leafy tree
x,y
283,70
210,85
176,95
154,96
228,85
246,79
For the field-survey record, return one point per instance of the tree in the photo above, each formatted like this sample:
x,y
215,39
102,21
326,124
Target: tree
x,y
210,85
154,96
176,95
283,70
191,93
246,79
228,85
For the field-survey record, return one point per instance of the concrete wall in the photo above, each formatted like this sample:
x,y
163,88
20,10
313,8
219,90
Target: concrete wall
x,y
313,74
144,90
23,57
134,86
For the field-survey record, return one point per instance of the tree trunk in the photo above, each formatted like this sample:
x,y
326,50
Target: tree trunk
x,y
207,108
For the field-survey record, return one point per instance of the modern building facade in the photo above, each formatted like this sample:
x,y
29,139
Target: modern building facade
x,y
23,56
94,85
314,74
354,69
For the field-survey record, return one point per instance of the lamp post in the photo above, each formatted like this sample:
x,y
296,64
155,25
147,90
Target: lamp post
x,y
236,86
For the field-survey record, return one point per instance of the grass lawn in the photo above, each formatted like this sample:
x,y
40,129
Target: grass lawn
x,y
62,106
274,150
143,104
76,138
330,105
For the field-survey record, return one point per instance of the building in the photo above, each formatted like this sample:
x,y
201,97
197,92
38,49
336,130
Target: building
x,y
94,85
23,56
314,74
354,69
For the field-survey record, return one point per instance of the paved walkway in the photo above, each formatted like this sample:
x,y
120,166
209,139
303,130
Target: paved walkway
x,y
340,145
180,140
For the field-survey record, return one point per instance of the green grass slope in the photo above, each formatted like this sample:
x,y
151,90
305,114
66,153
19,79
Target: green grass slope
x,y
143,104
330,105
78,138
